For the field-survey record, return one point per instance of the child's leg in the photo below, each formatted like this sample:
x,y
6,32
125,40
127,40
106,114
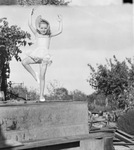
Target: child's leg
x,y
26,63
43,69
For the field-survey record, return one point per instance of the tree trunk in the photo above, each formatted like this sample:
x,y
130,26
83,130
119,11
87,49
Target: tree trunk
x,y
106,102
3,79
0,76
4,83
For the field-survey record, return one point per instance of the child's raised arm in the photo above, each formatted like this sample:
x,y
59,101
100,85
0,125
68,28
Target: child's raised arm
x,y
30,22
60,27
37,21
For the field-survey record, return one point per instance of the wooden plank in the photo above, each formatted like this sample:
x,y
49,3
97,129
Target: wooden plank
x,y
107,130
123,138
125,134
63,140
122,143
116,140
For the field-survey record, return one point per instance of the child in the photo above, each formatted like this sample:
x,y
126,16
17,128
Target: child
x,y
41,55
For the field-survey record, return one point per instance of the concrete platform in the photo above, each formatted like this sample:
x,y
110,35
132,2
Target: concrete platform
x,y
43,121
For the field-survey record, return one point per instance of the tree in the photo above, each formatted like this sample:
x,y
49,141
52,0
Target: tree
x,y
78,96
57,91
8,2
43,2
19,92
11,39
61,94
125,122
114,79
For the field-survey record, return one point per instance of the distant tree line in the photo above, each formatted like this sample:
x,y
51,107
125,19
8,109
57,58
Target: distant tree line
x,y
56,93
34,2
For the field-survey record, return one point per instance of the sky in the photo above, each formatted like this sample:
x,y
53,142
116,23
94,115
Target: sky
x,y
90,35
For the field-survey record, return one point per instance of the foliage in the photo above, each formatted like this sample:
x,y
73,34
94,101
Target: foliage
x,y
8,2
20,92
52,85
97,108
126,122
43,2
2,60
96,102
61,94
57,91
78,96
115,79
13,37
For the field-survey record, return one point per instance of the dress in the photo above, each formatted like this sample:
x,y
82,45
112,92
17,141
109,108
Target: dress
x,y
41,53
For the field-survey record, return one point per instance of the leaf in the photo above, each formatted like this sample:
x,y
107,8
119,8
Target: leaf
x,y
30,43
13,37
24,42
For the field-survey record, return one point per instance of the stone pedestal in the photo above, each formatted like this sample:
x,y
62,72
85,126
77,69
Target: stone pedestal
x,y
43,121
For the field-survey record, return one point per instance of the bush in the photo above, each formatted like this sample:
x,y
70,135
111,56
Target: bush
x,y
22,93
42,2
98,108
126,122
78,95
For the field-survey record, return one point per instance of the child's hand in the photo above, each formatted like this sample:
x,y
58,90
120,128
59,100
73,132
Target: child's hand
x,y
59,18
39,18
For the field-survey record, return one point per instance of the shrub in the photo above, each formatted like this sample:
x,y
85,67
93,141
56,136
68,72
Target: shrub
x,y
126,122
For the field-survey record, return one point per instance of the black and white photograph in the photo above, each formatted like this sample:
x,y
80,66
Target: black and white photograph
x,y
66,74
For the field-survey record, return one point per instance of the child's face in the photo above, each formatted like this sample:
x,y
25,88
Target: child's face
x,y
43,28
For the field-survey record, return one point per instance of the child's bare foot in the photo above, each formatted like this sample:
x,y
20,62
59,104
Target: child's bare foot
x,y
42,100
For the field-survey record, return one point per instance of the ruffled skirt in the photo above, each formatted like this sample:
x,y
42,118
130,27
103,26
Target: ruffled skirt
x,y
40,55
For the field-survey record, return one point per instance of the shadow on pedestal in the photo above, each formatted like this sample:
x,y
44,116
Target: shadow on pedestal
x,y
3,142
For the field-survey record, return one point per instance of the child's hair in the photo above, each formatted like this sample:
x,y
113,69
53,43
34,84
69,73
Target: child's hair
x,y
45,22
